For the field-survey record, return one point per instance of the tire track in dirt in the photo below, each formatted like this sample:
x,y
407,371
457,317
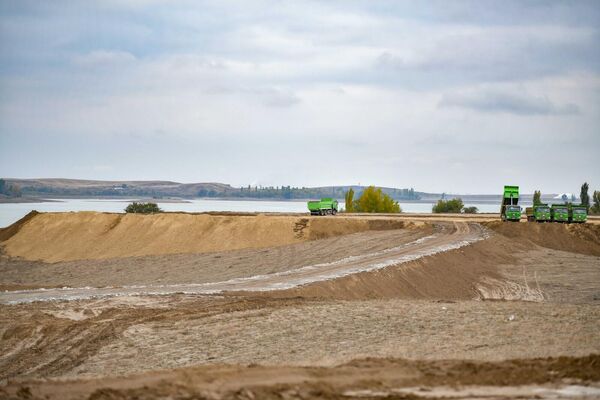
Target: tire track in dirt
x,y
447,236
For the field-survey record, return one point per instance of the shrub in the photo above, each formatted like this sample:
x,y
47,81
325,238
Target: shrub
x,y
142,208
471,210
372,200
448,206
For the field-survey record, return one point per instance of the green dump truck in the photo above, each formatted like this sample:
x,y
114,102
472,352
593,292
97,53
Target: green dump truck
x,y
577,213
559,213
538,213
324,206
510,209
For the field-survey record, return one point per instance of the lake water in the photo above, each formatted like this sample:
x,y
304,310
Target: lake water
x,y
11,212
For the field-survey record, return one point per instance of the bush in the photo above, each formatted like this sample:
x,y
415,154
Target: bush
x,y
448,206
142,208
372,200
470,210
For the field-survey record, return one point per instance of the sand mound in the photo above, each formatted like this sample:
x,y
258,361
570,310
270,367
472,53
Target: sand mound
x,y
575,238
54,237
453,275
9,231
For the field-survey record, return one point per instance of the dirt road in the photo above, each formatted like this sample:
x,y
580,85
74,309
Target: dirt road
x,y
446,236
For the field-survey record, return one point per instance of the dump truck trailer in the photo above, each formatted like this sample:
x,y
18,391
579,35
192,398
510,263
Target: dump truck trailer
x,y
510,209
559,213
324,206
538,213
577,213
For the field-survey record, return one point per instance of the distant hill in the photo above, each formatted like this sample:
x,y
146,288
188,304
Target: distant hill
x,y
57,187
84,188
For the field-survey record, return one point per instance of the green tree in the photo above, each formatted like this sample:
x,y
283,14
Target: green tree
x,y
537,197
584,196
142,208
596,199
373,200
470,210
9,189
454,206
349,200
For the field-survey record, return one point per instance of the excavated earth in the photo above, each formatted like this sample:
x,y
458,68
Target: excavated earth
x,y
183,306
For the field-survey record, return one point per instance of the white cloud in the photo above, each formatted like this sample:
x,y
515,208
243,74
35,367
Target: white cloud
x,y
243,91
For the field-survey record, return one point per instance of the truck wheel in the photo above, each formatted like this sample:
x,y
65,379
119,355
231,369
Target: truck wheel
x,y
334,211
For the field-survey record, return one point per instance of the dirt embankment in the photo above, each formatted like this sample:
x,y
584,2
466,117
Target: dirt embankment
x,y
575,238
17,274
54,237
452,275
470,272
371,378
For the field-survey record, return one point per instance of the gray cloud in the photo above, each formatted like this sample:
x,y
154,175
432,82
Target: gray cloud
x,y
514,103
102,58
265,91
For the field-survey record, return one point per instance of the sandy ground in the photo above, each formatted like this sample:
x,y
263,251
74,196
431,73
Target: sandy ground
x,y
198,267
55,237
513,316
445,236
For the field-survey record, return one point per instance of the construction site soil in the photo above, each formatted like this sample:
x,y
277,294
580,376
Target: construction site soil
x,y
111,306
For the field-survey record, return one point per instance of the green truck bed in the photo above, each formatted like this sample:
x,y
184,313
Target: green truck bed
x,y
509,209
324,206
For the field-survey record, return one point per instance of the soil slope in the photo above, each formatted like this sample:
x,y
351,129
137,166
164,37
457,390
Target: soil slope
x,y
54,237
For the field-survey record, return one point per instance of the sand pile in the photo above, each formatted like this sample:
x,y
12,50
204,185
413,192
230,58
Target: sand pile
x,y
54,237
452,275
575,238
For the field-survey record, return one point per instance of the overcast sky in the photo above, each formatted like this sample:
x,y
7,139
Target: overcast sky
x,y
462,96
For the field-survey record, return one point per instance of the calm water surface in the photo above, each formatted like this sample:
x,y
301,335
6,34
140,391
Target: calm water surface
x,y
11,212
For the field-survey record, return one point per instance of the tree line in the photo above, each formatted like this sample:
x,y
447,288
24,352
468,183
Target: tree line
x,y
9,189
289,193
592,205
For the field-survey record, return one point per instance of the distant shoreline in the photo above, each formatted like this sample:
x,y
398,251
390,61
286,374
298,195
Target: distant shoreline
x,y
30,199
16,200
33,199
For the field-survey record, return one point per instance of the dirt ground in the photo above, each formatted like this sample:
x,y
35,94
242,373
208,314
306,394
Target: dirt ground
x,y
515,315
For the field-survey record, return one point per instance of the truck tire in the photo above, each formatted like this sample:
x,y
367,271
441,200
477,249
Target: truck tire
x,y
334,211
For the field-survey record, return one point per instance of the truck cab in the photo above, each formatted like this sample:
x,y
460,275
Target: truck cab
x,y
512,213
538,213
559,212
578,214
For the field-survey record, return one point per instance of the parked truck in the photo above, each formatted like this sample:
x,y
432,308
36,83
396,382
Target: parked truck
x,y
510,209
577,213
559,213
324,206
538,213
